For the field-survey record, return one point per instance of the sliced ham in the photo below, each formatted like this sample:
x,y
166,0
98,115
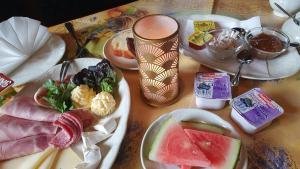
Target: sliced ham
x,y
24,146
72,127
26,108
73,122
85,115
64,137
75,118
13,128
61,139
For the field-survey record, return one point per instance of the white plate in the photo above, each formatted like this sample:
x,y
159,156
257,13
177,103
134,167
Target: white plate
x,y
185,115
280,67
110,147
121,62
40,62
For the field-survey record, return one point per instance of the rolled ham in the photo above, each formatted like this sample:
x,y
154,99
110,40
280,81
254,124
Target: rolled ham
x,y
13,128
71,124
24,146
25,107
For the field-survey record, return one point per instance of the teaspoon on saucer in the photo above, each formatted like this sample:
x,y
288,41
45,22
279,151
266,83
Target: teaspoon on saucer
x,y
290,15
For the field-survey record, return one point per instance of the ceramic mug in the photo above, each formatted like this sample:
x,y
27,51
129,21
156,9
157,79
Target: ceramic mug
x,y
156,47
291,6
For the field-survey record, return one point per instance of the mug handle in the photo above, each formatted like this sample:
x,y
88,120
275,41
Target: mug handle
x,y
130,45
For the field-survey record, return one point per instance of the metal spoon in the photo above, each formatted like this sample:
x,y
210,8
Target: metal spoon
x,y
291,16
244,57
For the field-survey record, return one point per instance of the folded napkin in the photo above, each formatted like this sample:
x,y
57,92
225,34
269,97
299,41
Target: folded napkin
x,y
88,150
20,38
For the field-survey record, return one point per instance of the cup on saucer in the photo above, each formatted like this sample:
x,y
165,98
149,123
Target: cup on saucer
x,y
291,6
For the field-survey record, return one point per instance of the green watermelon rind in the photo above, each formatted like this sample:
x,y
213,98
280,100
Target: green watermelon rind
x,y
203,126
236,149
156,142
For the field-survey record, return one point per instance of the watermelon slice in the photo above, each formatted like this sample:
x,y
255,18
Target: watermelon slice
x,y
202,126
185,167
222,151
172,146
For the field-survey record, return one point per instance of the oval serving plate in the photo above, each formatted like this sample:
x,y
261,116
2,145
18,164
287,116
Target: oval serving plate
x,y
280,67
121,114
186,115
121,62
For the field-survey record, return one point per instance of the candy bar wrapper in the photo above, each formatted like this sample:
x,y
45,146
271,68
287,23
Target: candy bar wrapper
x,y
5,83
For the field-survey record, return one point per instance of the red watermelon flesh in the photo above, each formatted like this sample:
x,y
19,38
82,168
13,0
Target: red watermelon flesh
x,y
222,151
185,167
172,146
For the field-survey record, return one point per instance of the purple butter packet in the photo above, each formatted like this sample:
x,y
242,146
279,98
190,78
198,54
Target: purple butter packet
x,y
256,107
212,86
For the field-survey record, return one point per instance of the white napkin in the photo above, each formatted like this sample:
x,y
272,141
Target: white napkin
x,y
20,38
88,150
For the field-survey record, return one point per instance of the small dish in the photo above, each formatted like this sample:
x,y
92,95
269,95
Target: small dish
x,y
225,43
116,56
266,43
186,115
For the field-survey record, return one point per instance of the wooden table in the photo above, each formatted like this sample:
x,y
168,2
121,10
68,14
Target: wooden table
x,y
279,142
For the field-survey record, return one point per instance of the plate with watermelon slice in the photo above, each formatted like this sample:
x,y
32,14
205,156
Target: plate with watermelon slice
x,y
192,139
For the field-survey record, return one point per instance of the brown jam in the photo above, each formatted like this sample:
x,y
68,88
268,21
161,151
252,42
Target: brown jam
x,y
265,42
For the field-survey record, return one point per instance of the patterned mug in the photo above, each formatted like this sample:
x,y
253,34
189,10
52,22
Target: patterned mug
x,y
157,53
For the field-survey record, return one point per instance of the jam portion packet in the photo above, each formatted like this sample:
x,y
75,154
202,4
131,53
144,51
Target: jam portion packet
x,y
213,86
256,107
5,82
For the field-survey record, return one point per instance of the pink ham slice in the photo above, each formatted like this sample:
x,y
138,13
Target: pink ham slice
x,y
85,116
24,146
71,124
72,128
26,108
75,120
63,138
13,128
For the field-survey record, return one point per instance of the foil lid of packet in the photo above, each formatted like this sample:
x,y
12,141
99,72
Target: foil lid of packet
x,y
5,82
256,107
212,86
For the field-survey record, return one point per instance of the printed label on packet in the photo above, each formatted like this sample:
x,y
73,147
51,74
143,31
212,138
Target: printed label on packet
x,y
5,82
256,107
212,86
